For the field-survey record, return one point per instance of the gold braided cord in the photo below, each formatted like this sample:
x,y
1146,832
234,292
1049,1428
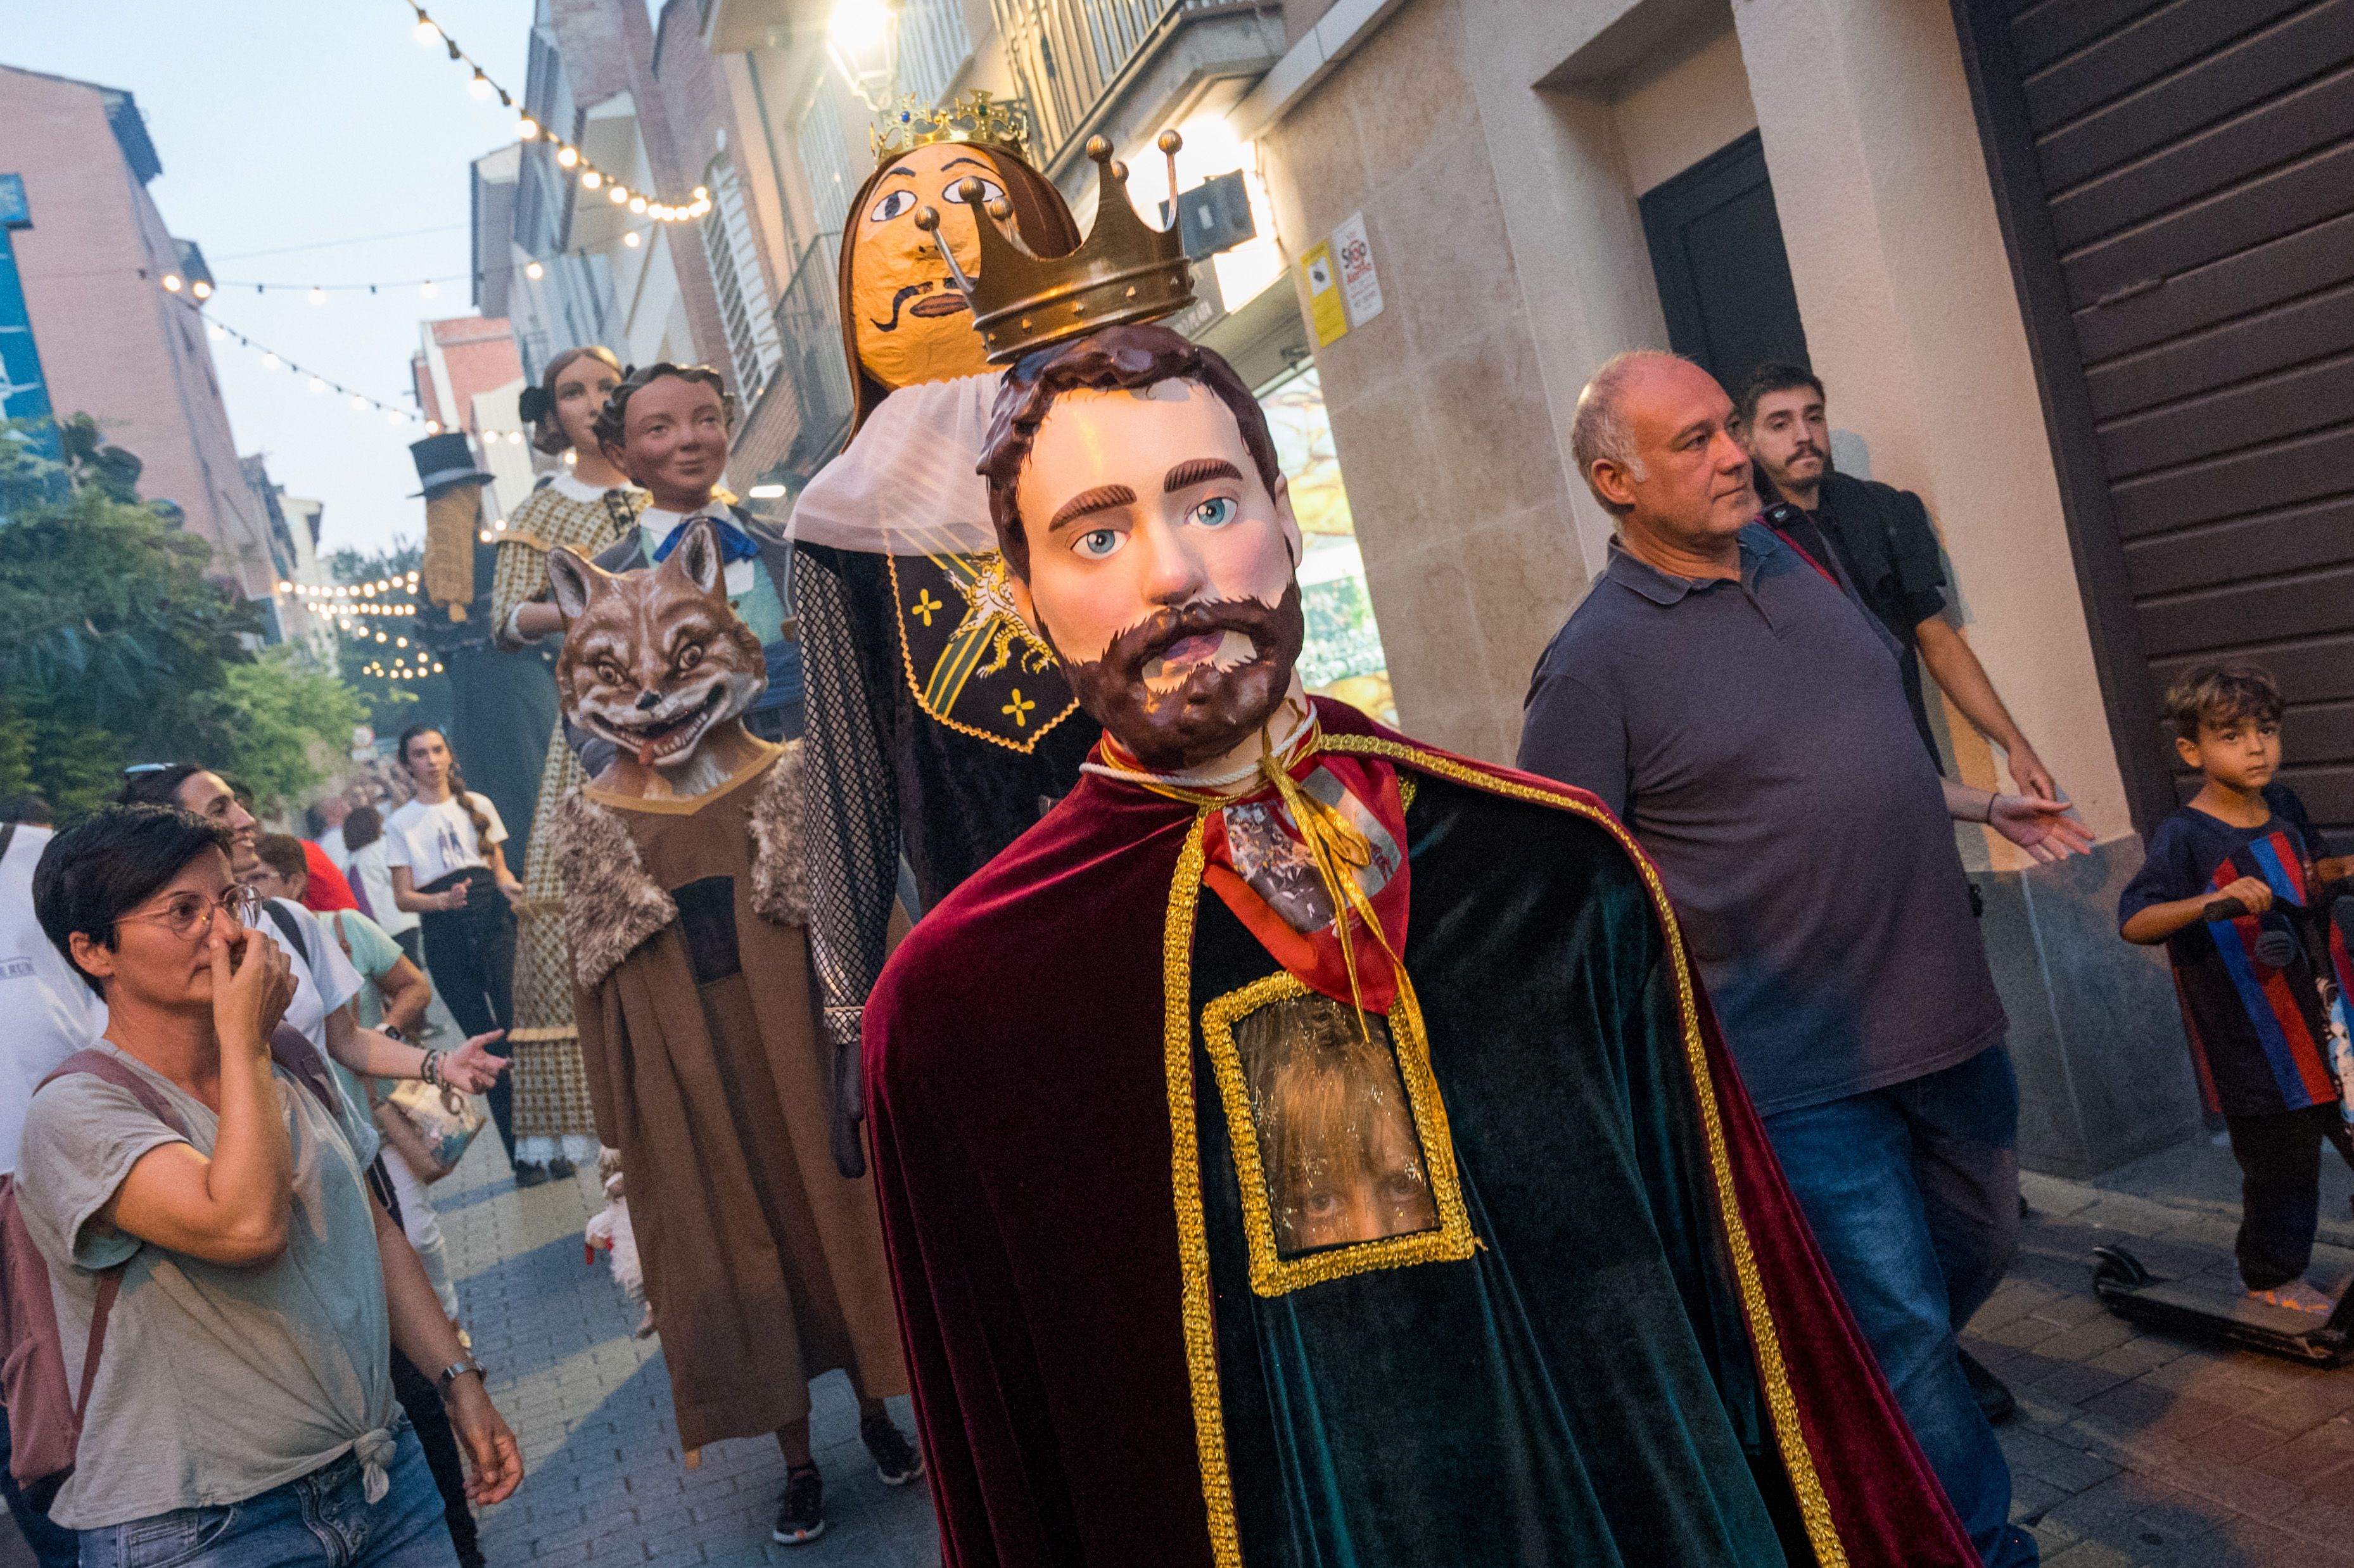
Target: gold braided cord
x,y
1782,1403
1185,1177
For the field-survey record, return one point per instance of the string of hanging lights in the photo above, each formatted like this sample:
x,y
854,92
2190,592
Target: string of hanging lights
x,y
221,332
569,156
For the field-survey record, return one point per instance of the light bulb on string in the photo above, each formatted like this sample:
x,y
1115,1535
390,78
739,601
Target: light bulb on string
x,y
269,361
358,402
427,34
567,156
432,426
486,535
173,282
527,129
481,86
215,331
426,290
317,296
392,415
637,204
591,179
630,240
533,270
618,195
318,384
201,289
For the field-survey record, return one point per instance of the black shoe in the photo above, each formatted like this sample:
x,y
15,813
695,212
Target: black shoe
x,y
558,1169
1994,1396
800,1516
529,1175
897,1462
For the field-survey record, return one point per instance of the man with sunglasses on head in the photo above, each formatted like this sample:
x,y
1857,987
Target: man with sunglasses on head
x,y
242,1410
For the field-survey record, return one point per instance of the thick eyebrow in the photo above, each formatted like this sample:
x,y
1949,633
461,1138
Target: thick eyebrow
x,y
1199,471
1102,498
969,163
901,172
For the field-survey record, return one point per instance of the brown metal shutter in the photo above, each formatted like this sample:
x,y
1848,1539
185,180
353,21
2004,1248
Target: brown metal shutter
x,y
2177,187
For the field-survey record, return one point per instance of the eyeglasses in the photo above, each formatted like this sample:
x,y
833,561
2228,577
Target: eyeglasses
x,y
189,914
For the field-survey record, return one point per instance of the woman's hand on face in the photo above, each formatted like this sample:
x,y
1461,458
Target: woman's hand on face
x,y
251,987
472,1067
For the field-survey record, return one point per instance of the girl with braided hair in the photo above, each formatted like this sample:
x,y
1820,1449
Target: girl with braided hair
x,y
442,850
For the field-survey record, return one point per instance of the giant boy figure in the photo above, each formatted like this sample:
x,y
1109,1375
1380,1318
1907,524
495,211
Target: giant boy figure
x,y
1304,1146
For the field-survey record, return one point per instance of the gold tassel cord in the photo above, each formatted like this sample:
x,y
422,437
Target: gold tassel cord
x,y
1340,851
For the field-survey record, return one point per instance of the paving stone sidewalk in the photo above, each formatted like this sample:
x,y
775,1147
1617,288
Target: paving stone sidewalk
x,y
603,1479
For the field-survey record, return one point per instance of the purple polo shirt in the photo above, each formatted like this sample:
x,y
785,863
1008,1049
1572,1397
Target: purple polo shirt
x,y
1755,737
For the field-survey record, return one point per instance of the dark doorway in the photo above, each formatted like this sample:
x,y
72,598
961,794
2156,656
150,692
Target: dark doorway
x,y
1725,278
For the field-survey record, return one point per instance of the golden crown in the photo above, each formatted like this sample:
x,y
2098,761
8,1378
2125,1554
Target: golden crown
x,y
972,117
1125,271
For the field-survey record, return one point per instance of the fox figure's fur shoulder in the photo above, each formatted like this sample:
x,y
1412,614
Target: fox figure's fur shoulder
x,y
656,663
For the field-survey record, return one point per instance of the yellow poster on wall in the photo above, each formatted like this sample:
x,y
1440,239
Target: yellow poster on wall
x,y
1324,305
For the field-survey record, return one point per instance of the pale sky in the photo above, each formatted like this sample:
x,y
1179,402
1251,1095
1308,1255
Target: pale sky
x,y
287,128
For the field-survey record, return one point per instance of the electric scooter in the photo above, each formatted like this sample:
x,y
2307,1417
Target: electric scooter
x,y
2201,1304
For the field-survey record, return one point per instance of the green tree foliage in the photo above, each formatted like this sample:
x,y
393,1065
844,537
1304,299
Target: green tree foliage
x,y
116,647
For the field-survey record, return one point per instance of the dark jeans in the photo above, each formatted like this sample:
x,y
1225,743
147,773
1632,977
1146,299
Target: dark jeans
x,y
471,952
2280,1188
1912,1193
54,1546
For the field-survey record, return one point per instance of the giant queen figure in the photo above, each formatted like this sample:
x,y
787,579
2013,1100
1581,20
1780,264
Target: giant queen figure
x,y
1305,1146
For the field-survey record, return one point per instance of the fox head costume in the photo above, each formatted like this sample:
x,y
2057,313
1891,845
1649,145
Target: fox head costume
x,y
656,663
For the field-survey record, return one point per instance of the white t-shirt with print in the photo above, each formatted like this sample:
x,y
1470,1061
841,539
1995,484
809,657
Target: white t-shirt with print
x,y
434,841
51,1011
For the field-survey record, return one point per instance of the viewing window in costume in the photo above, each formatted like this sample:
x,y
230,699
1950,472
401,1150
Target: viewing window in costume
x,y
551,1097
939,725
1305,1146
685,894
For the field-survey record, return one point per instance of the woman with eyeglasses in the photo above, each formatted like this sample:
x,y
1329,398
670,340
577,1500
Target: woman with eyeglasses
x,y
242,1410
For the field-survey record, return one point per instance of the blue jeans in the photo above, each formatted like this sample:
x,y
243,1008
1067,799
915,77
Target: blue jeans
x,y
1912,1193
319,1521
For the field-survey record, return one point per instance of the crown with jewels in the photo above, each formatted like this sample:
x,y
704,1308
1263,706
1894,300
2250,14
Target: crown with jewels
x,y
1126,270
971,117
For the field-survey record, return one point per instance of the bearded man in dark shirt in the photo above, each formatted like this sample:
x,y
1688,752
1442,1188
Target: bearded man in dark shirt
x,y
1879,538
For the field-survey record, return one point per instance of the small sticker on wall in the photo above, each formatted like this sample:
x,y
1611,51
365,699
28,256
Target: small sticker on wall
x,y
1355,255
1324,307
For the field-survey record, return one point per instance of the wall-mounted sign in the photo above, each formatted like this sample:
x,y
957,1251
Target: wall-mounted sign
x,y
1354,254
1330,316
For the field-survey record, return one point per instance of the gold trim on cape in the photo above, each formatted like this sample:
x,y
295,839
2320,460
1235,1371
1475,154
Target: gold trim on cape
x,y
1274,1275
1192,1240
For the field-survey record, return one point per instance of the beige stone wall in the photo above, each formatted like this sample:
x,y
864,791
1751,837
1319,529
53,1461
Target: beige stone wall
x,y
1451,460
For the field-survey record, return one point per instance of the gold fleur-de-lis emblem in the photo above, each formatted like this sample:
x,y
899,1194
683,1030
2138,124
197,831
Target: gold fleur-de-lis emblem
x,y
926,606
1018,709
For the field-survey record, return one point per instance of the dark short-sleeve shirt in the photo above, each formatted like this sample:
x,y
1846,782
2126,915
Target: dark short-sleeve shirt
x,y
1754,735
2259,1036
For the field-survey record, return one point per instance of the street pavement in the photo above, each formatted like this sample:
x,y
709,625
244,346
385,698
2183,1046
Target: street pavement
x,y
2130,1449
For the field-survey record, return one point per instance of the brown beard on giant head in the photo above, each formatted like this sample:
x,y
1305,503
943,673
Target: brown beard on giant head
x,y
655,660
1217,704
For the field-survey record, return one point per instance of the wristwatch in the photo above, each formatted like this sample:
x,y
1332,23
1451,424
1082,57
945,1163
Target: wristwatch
x,y
456,1369
389,1032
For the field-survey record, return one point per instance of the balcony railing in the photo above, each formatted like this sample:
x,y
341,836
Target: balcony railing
x,y
1070,56
809,325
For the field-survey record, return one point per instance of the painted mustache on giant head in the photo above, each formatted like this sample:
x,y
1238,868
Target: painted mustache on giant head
x,y
1185,685
945,304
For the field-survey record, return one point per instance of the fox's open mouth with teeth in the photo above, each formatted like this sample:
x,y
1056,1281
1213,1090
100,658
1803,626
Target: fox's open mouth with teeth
x,y
668,732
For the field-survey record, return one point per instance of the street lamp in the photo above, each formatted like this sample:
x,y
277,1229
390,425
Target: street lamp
x,y
861,38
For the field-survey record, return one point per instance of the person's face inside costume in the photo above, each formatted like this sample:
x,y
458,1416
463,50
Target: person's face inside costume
x,y
674,441
1337,1144
581,388
912,322
1789,436
1689,486
1161,570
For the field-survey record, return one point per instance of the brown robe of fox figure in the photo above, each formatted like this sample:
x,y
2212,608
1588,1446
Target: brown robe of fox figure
x,y
686,899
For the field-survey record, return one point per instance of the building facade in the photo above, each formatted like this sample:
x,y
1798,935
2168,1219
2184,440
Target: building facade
x,y
92,256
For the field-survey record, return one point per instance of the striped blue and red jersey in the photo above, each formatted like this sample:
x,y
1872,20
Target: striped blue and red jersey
x,y
2258,1034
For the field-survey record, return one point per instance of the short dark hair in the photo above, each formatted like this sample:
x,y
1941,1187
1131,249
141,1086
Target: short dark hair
x,y
613,419
1773,375
362,828
282,852
2218,693
107,864
1115,358
156,786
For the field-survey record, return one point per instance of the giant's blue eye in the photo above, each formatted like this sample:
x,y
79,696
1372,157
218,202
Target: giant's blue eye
x,y
1097,542
1215,513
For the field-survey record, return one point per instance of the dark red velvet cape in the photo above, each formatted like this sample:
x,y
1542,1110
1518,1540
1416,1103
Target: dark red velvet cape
x,y
1020,1115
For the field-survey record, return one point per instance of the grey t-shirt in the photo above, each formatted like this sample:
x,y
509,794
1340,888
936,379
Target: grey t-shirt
x,y
215,1383
1755,737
